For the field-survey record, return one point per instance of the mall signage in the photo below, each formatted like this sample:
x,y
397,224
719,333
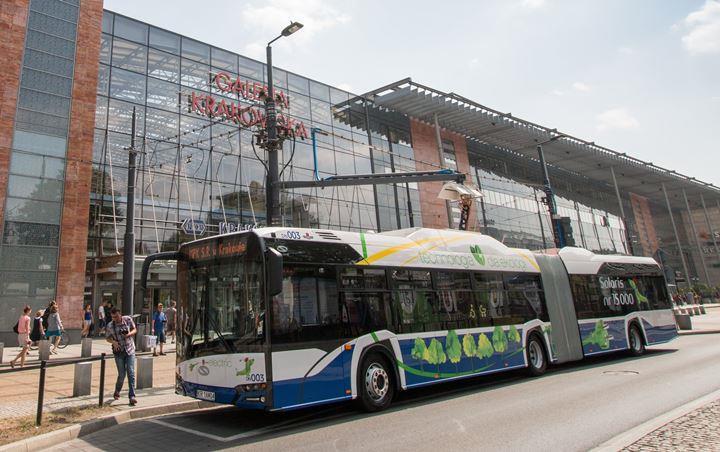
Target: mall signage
x,y
193,227
227,228
244,115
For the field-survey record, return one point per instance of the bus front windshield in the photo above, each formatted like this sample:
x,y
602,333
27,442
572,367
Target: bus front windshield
x,y
225,308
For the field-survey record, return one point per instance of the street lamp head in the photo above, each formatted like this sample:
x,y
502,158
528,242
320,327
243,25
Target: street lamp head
x,y
292,28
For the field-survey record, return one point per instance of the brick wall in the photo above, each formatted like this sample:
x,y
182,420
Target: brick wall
x,y
13,23
78,173
424,142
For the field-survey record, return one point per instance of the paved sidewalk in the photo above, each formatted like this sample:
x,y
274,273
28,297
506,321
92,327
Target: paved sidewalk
x,y
705,323
19,389
698,430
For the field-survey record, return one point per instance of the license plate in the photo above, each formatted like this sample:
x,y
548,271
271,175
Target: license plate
x,y
206,395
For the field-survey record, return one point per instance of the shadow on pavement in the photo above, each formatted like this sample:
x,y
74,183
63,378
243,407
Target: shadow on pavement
x,y
224,427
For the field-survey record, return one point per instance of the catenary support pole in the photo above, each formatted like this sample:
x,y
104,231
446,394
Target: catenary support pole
x,y
272,193
550,197
129,239
441,156
696,238
628,242
711,231
677,237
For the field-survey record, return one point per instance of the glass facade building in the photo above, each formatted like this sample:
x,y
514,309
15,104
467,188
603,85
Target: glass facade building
x,y
206,168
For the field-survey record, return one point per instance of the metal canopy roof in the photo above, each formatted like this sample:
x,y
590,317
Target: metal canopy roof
x,y
519,137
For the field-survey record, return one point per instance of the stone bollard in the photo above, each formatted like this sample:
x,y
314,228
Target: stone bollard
x,y
696,309
83,379
85,347
44,349
144,376
2,349
684,321
702,311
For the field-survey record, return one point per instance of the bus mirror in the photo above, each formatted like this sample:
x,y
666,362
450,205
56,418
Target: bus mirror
x,y
274,265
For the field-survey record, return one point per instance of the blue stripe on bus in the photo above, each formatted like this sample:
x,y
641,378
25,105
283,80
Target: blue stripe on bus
x,y
659,334
327,385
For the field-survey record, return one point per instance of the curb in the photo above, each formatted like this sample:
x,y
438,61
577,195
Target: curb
x,y
72,432
694,332
634,434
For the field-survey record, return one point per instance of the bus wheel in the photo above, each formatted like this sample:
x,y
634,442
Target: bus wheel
x,y
636,346
536,357
375,383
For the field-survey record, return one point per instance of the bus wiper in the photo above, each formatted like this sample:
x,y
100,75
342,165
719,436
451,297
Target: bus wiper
x,y
225,343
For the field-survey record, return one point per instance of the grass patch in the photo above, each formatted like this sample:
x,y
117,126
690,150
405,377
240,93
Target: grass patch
x,y
18,428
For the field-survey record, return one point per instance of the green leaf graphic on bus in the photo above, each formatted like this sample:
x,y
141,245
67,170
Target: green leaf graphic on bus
x,y
599,336
484,348
420,351
478,254
248,368
453,347
640,297
436,354
499,340
513,335
469,348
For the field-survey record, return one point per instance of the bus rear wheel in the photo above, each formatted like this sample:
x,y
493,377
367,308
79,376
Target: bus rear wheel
x,y
636,345
536,356
375,383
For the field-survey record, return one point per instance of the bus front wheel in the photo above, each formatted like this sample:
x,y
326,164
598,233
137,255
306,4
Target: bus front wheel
x,y
636,346
375,385
536,356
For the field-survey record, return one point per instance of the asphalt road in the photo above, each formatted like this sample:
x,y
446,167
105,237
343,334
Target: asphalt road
x,y
573,407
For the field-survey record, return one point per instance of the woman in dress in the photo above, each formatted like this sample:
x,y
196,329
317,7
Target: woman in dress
x,y
38,332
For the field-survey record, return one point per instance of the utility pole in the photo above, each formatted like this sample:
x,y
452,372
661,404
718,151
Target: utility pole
x,y
129,238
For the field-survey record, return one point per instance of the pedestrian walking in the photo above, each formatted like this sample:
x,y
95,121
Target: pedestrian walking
x,y
38,332
46,314
23,331
171,314
87,320
121,331
158,328
101,319
54,328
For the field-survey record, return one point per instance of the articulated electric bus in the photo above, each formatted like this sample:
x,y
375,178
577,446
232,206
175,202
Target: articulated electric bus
x,y
284,318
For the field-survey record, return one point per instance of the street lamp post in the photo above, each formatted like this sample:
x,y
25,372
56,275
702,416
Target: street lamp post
x,y
272,192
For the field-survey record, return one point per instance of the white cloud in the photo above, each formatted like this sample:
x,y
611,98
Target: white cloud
x,y
703,27
269,18
715,98
580,86
616,118
475,62
626,50
345,87
558,92
533,3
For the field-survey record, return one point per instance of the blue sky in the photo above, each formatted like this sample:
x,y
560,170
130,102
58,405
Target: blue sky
x,y
641,77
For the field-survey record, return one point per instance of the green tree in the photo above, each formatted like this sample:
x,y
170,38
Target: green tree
x,y
436,354
470,348
499,340
419,351
599,336
453,347
484,347
513,335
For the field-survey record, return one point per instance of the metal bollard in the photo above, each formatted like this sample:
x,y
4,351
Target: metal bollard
x,y
44,350
2,349
144,377
83,379
41,393
86,347
102,379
